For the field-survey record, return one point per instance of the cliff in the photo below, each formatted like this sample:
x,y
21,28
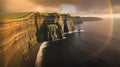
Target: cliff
x,y
68,23
80,20
77,20
91,18
16,35
20,32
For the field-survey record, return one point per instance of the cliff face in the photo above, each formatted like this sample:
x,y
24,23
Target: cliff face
x,y
52,27
17,36
68,23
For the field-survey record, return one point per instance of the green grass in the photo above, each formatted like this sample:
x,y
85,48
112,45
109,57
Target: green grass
x,y
14,15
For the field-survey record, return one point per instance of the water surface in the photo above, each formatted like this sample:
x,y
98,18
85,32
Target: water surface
x,y
98,46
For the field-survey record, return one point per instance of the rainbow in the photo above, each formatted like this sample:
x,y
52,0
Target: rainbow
x,y
111,12
110,31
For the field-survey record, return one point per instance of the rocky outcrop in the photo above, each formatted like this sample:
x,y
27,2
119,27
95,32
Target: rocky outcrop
x,y
17,36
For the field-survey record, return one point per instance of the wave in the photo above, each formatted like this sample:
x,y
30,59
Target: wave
x,y
74,31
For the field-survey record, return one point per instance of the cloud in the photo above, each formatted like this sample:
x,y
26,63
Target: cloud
x,y
82,6
115,2
54,3
24,6
116,9
92,6
1,6
115,6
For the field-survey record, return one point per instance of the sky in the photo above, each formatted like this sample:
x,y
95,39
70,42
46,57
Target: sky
x,y
74,7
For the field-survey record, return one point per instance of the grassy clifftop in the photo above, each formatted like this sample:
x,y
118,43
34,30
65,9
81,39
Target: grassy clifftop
x,y
14,15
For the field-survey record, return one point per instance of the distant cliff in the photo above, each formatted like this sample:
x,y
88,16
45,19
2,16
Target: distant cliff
x,y
80,20
77,20
91,18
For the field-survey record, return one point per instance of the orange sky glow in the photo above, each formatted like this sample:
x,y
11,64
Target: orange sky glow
x,y
77,7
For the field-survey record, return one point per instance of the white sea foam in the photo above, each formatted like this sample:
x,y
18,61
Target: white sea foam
x,y
44,45
75,31
40,54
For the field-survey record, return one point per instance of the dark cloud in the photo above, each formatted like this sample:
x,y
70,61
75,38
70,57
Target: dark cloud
x,y
115,6
95,6
54,3
1,6
115,2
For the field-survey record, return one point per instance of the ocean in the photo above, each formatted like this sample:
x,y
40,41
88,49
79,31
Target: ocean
x,y
97,46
